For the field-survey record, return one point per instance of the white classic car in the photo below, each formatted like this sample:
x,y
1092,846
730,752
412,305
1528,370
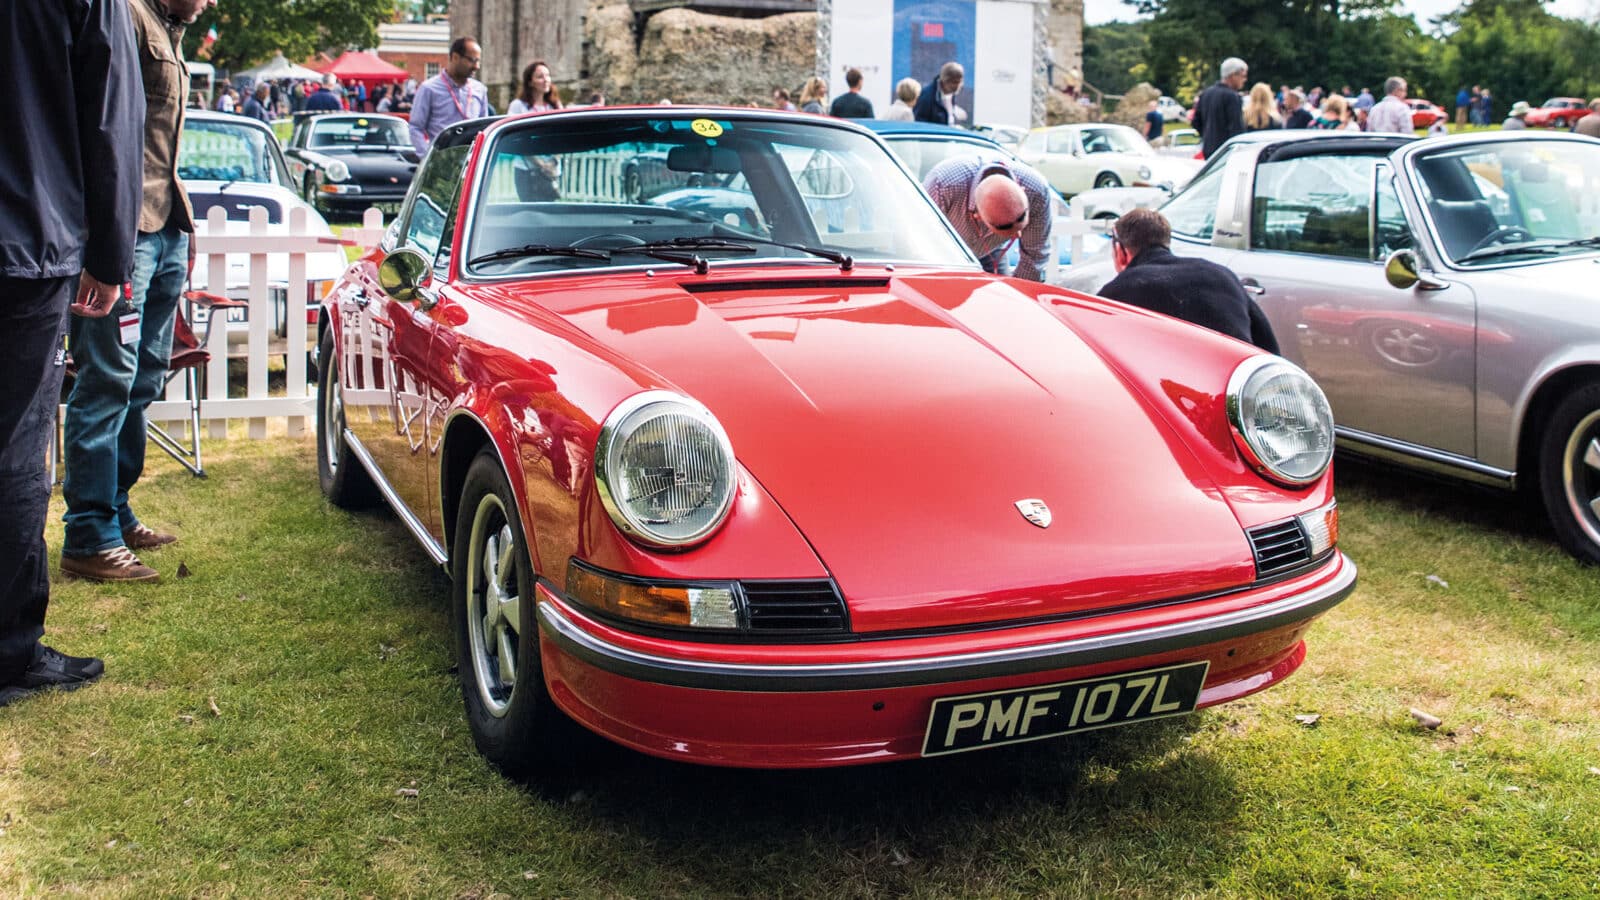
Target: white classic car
x,y
235,162
1076,158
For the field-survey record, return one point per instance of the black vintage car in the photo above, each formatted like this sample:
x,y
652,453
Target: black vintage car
x,y
346,162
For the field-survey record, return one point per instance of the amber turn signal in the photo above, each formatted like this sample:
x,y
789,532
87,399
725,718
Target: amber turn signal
x,y
678,606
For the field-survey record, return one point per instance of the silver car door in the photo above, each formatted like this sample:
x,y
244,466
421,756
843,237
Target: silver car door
x,y
1398,365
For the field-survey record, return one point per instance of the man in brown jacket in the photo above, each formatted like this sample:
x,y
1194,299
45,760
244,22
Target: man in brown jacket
x,y
122,358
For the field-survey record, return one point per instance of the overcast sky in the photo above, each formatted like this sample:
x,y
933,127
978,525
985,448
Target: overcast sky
x,y
1097,12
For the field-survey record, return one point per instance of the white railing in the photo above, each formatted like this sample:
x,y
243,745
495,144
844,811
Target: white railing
x,y
258,404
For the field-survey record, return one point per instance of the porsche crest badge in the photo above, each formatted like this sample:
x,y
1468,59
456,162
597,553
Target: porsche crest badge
x,y
1034,510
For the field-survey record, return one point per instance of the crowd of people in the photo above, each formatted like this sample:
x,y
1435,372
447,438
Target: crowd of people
x,y
276,98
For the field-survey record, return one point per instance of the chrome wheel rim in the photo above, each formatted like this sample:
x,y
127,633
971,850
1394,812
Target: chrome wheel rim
x,y
1580,476
332,416
494,608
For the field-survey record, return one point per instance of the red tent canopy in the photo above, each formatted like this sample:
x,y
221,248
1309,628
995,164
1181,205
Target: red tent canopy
x,y
359,65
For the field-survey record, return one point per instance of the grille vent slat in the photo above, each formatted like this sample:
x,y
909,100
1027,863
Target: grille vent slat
x,y
1279,547
794,607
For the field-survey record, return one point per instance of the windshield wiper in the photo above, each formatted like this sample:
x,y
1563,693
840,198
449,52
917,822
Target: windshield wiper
x,y
540,250
1582,242
742,242
1494,252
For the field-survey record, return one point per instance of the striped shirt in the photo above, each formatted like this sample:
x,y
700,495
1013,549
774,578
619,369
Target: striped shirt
x,y
953,185
440,103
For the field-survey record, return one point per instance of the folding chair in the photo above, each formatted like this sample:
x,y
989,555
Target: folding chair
x,y
189,357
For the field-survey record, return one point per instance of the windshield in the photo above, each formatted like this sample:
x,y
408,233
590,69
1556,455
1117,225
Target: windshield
x,y
223,151
1116,139
722,189
1513,200
359,132
923,153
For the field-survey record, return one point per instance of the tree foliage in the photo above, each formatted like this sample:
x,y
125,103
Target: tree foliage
x,y
1514,46
1115,56
251,31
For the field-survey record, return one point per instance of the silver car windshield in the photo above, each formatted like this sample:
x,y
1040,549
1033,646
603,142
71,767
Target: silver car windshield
x,y
724,189
1513,201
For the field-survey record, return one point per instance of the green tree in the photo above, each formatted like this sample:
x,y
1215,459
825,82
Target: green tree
x,y
1114,56
249,31
1520,51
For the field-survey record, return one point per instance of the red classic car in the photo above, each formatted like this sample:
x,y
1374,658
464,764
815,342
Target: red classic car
x,y
1558,112
773,475
1424,113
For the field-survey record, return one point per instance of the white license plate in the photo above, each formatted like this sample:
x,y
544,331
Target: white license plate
x,y
976,721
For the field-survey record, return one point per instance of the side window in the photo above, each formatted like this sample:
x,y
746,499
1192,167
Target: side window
x,y
431,220
1320,205
1394,232
1035,142
1193,212
1060,141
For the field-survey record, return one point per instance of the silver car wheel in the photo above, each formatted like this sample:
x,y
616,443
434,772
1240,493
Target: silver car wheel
x,y
1580,475
333,416
494,608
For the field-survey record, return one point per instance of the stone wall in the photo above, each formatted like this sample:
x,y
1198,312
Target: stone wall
x,y
684,56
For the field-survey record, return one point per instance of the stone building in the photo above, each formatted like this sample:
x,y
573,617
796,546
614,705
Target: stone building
x,y
711,51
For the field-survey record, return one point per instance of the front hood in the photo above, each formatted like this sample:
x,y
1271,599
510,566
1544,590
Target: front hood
x,y
379,167
898,422
1574,275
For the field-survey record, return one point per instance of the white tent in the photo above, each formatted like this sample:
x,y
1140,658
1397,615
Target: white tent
x,y
279,67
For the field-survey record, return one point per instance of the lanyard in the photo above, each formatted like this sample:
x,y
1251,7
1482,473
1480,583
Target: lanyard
x,y
449,86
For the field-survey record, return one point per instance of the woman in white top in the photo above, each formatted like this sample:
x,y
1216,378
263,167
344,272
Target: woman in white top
x,y
538,94
905,98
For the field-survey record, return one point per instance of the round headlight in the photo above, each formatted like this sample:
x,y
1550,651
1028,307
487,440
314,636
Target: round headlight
x,y
336,170
664,469
1281,420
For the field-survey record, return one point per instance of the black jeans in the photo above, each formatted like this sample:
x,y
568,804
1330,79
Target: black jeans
x,y
33,323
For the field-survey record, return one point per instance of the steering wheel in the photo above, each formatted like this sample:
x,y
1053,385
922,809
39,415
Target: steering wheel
x,y
1500,234
608,241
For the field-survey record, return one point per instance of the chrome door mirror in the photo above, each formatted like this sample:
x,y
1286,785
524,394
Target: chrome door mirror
x,y
405,275
1402,270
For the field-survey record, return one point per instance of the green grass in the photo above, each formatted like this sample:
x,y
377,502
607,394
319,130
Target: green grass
x,y
322,638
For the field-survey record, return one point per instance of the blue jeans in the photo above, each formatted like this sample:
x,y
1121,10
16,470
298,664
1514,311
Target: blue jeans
x,y
104,435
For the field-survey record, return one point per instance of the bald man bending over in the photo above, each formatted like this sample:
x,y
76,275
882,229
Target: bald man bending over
x,y
992,204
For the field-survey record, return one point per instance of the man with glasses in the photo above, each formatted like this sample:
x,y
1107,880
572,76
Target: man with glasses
x,y
993,204
1150,276
449,97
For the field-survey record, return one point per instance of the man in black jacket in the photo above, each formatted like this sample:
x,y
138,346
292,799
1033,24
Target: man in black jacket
x,y
850,104
1195,290
1219,110
70,176
937,103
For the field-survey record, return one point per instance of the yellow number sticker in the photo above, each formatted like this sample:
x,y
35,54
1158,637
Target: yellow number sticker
x,y
706,128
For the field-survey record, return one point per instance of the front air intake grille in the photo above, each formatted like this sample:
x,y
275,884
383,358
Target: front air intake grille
x,y
794,607
1279,547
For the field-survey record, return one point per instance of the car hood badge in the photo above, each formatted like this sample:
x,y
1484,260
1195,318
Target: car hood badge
x,y
1034,511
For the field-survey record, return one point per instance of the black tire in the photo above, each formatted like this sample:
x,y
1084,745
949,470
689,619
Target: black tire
x,y
1569,472
513,721
344,480
1107,180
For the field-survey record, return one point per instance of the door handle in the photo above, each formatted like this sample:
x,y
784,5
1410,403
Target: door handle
x,y
1252,286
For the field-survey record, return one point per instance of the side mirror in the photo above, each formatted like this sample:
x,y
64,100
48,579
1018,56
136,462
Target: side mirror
x,y
1402,271
405,274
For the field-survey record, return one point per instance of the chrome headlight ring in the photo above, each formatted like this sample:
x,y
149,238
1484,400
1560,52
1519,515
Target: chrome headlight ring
x,y
1281,420
665,470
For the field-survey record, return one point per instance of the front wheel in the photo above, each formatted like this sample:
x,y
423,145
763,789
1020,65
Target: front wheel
x,y
514,722
341,475
1569,472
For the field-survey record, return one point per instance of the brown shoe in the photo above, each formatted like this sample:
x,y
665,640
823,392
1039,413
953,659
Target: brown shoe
x,y
116,564
143,537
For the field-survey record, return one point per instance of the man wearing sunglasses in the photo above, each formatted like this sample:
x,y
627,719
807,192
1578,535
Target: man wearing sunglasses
x,y
993,204
1196,290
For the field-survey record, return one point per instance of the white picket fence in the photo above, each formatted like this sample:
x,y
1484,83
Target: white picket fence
x,y
257,404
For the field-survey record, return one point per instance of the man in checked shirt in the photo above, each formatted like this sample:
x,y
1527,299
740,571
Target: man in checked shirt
x,y
991,204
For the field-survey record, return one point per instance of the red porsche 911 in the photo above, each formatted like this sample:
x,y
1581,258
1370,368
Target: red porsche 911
x,y
761,469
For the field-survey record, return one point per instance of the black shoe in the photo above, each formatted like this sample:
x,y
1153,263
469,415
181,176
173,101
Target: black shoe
x,y
52,669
